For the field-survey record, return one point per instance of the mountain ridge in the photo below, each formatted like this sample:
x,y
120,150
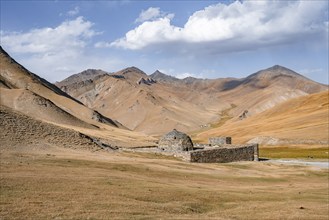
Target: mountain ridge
x,y
139,100
34,77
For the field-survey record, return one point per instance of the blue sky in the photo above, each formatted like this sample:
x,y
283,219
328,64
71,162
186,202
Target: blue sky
x,y
208,39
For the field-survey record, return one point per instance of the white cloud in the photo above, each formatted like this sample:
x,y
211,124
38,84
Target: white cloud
x,y
149,14
74,11
225,28
148,33
56,52
179,75
102,44
185,75
68,37
152,14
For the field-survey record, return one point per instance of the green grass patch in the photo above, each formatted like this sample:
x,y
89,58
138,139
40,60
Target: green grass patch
x,y
290,152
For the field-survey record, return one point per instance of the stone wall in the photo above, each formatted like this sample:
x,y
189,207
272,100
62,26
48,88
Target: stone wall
x,y
225,154
220,140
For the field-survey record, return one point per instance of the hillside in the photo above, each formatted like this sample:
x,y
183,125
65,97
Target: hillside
x,y
25,92
141,103
31,104
157,103
14,76
303,120
21,132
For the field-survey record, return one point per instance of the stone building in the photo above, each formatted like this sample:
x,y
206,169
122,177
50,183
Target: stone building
x,y
218,150
220,140
176,141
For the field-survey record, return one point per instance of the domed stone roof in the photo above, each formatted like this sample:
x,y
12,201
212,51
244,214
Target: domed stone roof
x,y
176,141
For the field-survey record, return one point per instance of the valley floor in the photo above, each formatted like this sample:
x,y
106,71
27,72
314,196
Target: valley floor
x,y
71,184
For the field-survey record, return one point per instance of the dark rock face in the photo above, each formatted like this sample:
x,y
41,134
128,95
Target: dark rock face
x,y
146,81
176,141
243,115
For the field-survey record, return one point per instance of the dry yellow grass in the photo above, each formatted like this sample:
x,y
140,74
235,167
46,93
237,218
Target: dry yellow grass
x,y
295,151
306,117
67,184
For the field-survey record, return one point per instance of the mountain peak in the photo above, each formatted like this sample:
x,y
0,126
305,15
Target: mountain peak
x,y
89,74
157,72
132,69
276,71
279,68
132,74
283,77
159,76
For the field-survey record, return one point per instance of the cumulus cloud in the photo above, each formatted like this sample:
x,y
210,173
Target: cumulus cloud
x,y
234,27
68,37
55,52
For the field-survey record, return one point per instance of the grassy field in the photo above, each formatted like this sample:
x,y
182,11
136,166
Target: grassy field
x,y
315,152
73,185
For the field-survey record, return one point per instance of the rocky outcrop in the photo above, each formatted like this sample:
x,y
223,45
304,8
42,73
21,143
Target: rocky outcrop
x,y
243,115
146,81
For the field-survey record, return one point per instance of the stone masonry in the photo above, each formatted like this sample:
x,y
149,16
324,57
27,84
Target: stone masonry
x,y
225,154
218,150
176,141
220,140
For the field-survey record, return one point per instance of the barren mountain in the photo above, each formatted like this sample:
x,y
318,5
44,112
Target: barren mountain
x,y
141,103
88,74
161,77
14,76
24,92
157,103
303,120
